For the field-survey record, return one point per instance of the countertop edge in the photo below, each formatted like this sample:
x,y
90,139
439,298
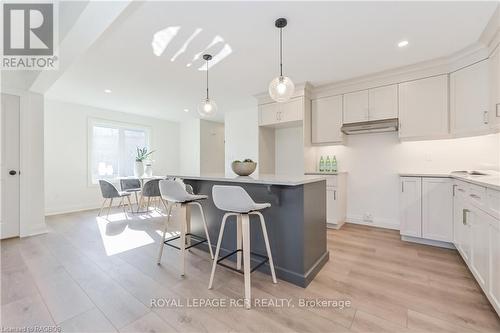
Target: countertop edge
x,y
478,182
245,180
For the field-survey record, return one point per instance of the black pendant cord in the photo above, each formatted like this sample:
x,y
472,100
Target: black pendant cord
x,y
281,51
207,81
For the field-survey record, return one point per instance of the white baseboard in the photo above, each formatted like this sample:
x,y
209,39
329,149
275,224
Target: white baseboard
x,y
427,242
335,226
71,210
380,223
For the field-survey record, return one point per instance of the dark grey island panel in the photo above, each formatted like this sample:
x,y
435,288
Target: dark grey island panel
x,y
296,224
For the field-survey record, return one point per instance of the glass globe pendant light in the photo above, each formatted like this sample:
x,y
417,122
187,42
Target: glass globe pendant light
x,y
207,108
281,88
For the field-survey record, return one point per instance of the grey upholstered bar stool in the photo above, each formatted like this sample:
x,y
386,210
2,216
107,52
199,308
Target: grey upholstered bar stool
x,y
109,191
132,185
175,194
236,201
150,190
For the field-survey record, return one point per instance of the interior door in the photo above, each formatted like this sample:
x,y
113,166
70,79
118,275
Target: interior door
x,y
9,179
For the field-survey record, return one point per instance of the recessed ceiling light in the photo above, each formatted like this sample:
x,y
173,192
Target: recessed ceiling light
x,y
186,110
108,91
403,43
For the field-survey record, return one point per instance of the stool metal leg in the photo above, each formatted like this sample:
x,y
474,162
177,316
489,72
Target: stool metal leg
x,y
205,227
169,210
268,247
217,249
182,239
245,226
188,223
238,241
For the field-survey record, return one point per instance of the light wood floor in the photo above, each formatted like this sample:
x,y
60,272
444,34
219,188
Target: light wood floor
x,y
92,275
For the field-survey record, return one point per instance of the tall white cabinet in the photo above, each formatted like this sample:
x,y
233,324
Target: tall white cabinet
x,y
423,108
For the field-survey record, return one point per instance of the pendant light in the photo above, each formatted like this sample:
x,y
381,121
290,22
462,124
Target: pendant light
x,y
281,88
207,107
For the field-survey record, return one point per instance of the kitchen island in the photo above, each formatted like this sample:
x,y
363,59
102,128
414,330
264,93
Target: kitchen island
x,y
296,221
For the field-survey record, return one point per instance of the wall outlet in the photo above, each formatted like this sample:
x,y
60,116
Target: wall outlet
x,y
368,217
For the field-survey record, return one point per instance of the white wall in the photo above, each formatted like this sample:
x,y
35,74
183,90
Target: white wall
x,y
66,161
241,136
373,162
211,147
189,147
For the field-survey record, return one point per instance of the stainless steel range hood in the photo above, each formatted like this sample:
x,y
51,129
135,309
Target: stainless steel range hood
x,y
374,126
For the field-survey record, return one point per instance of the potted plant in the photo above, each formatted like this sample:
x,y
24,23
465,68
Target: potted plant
x,y
142,155
245,168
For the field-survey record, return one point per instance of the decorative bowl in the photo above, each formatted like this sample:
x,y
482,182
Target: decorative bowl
x,y
243,168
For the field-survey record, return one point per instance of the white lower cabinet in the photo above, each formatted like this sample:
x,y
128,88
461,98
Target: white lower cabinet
x,y
461,234
437,209
336,200
426,208
477,237
410,204
480,241
494,287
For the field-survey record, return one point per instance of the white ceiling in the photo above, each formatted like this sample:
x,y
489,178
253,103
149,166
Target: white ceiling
x,y
323,42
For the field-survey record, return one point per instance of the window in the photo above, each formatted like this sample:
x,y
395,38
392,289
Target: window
x,y
112,149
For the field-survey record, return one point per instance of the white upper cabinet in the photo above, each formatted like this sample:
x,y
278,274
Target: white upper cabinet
x,y
423,108
293,110
281,113
326,120
356,107
494,73
268,114
383,102
410,205
372,104
469,99
437,209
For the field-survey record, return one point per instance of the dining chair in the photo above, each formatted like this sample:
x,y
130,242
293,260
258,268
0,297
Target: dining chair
x,y
151,190
132,185
109,191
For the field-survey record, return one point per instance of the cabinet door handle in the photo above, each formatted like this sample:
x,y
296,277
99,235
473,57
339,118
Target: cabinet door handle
x,y
402,187
497,113
454,187
334,195
464,216
461,189
485,117
475,196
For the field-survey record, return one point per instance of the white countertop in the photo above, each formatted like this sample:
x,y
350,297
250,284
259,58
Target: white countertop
x,y
329,173
267,179
491,180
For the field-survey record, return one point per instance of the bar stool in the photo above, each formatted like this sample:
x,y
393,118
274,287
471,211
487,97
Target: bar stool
x,y
175,193
236,201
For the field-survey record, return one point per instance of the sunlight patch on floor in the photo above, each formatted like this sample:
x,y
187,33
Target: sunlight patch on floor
x,y
118,236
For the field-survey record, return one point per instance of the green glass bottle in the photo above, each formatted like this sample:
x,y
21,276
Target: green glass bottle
x,y
328,164
334,164
321,164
